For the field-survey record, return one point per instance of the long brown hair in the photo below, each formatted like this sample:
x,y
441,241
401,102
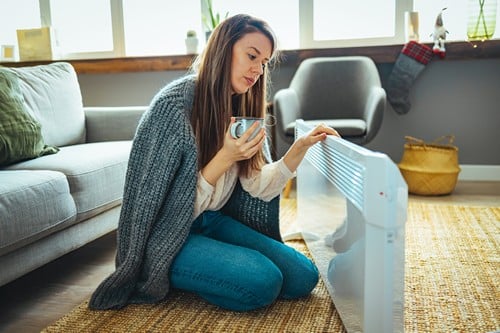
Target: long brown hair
x,y
213,102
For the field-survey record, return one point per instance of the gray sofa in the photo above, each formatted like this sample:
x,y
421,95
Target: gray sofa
x,y
55,203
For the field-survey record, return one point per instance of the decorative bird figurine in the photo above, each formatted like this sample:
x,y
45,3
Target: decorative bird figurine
x,y
439,36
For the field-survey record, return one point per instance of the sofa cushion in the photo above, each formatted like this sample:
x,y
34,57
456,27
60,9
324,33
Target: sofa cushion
x,y
95,173
52,96
20,134
32,205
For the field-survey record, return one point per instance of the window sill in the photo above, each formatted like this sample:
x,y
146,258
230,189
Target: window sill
x,y
380,54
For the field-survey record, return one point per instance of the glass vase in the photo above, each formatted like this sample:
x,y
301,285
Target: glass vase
x,y
482,19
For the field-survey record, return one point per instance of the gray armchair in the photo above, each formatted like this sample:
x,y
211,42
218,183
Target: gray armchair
x,y
342,92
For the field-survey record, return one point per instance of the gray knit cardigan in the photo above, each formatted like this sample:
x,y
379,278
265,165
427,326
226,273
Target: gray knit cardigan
x,y
158,202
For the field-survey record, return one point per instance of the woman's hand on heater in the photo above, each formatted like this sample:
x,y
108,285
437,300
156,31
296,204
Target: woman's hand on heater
x,y
319,133
298,150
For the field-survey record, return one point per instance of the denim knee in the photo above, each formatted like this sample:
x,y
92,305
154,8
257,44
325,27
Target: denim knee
x,y
303,280
259,285
266,284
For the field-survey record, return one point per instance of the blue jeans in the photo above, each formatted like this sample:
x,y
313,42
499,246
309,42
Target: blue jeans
x,y
238,268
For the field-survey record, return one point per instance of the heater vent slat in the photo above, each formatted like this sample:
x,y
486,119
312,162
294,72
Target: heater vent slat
x,y
341,170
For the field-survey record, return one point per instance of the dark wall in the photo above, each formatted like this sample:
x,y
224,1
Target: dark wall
x,y
459,98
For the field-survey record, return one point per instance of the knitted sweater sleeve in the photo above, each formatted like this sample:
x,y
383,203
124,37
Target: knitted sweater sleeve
x,y
157,204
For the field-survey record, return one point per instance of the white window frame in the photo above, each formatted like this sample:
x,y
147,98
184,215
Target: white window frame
x,y
118,30
306,33
307,41
306,38
116,26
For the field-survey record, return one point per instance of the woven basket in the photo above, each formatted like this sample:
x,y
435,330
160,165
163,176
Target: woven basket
x,y
430,168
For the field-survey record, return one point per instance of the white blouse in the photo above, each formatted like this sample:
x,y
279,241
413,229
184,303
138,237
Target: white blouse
x,y
265,185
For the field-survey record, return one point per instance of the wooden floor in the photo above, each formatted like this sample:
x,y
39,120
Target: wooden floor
x,y
36,300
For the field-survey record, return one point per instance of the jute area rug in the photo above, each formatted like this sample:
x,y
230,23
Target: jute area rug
x,y
451,285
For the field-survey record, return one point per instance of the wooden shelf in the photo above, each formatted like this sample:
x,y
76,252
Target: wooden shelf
x,y
380,54
120,65
389,53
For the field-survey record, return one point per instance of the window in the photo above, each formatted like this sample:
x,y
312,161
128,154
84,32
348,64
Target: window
x,y
9,21
335,23
156,27
116,28
455,17
83,28
282,16
339,19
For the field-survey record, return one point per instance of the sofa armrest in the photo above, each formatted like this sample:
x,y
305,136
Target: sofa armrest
x,y
112,123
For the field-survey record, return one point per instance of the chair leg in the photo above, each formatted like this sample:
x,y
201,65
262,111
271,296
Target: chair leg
x,y
288,188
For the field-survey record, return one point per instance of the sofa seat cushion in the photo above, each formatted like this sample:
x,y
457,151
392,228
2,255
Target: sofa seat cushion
x,y
33,204
95,173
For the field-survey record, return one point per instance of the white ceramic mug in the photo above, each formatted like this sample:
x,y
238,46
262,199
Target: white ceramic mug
x,y
242,124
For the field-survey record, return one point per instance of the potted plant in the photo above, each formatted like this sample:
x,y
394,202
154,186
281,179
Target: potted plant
x,y
213,19
191,42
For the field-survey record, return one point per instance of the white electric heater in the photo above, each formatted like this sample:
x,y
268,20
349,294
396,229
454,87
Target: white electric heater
x,y
351,211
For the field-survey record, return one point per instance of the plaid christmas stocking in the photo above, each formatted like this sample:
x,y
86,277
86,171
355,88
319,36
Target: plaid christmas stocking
x,y
411,61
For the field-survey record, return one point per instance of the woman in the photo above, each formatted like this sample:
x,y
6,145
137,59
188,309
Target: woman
x,y
200,208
